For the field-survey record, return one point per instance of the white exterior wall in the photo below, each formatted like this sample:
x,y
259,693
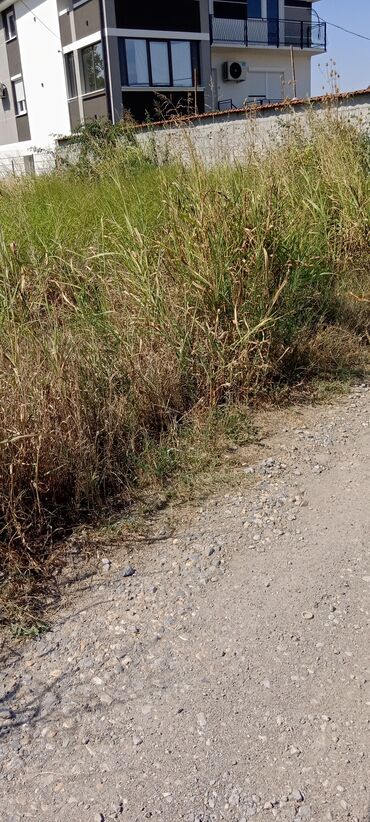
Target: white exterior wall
x,y
273,60
43,70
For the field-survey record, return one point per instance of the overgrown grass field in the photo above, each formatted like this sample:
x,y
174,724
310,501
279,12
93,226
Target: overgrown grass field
x,y
134,297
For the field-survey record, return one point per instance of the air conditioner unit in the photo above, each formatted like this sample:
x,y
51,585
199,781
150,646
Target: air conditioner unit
x,y
234,72
2,90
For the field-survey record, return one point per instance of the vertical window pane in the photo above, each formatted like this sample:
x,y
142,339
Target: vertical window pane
x,y
93,67
137,63
254,8
71,75
19,97
181,63
159,63
10,29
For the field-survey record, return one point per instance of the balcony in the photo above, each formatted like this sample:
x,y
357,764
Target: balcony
x,y
268,32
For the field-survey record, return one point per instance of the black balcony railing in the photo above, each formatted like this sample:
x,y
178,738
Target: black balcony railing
x,y
269,32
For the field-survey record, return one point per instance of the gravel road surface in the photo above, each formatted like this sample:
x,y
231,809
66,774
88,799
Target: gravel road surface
x,y
219,672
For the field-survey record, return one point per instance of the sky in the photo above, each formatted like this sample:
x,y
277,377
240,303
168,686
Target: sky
x,y
351,54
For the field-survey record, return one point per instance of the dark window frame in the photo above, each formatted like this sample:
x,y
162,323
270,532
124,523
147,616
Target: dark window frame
x,y
83,51
70,71
9,35
194,59
19,112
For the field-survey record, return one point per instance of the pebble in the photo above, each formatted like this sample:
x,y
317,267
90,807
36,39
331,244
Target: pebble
x,y
201,720
129,571
307,615
297,795
304,812
234,798
137,740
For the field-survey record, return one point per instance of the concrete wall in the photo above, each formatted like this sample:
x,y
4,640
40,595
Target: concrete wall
x,y
233,137
18,159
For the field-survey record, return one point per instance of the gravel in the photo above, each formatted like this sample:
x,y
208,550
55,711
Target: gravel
x,y
226,678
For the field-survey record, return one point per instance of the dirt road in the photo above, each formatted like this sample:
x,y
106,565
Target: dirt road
x,y
226,678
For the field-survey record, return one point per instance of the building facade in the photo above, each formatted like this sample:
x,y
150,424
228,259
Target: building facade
x,y
64,62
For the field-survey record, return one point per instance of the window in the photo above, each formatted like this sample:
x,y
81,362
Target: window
x,y
71,75
19,96
93,68
137,63
254,8
9,24
181,63
159,63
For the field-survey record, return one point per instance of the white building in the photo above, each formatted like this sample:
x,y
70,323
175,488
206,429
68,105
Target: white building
x,y
63,62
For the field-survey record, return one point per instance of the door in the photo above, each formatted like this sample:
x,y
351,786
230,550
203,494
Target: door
x,y
273,22
275,85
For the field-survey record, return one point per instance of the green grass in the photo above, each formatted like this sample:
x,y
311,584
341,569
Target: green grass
x,y
135,301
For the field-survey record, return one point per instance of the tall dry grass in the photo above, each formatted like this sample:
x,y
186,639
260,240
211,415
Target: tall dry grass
x,y
130,294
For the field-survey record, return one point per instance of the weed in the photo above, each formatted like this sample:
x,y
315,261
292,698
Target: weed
x,y
140,307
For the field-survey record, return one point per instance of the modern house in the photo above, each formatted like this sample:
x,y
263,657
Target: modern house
x,y
63,62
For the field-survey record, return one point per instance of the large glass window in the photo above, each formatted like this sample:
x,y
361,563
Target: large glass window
x,y
137,63
71,75
181,63
159,63
93,67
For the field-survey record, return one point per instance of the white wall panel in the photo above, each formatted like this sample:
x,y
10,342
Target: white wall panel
x,y
43,70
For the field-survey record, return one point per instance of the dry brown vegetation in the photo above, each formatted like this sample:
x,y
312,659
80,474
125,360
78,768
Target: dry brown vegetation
x,y
132,295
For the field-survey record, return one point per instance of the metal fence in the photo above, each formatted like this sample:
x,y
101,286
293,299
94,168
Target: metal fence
x,y
269,32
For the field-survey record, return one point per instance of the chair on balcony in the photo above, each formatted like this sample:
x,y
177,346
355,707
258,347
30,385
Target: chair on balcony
x,y
225,105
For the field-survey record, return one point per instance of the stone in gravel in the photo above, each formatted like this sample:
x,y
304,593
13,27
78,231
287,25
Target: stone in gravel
x,y
234,798
106,699
297,795
106,563
129,571
307,615
304,812
137,740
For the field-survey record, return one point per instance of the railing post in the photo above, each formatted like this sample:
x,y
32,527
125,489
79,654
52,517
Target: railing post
x,y
211,28
246,32
301,34
278,32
